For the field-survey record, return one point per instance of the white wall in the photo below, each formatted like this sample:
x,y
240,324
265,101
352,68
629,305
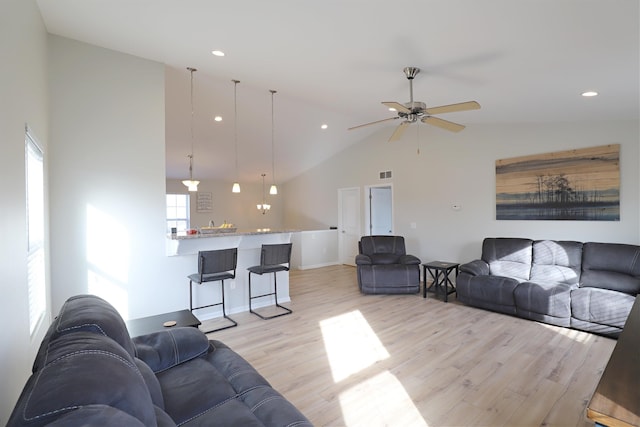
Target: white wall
x,y
23,99
107,181
460,169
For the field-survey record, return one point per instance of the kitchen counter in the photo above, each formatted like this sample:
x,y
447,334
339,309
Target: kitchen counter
x,y
245,232
186,248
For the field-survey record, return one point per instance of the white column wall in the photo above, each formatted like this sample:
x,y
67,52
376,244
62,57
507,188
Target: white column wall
x,y
23,100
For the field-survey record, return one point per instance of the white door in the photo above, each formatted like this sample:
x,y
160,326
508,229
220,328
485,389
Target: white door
x,y
348,224
379,210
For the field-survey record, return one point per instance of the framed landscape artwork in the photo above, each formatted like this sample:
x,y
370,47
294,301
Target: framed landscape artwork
x,y
579,185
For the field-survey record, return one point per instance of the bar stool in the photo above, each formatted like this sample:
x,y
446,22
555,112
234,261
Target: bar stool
x,y
214,265
273,258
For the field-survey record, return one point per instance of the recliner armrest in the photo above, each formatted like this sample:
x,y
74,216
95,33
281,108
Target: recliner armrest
x,y
166,349
409,259
362,259
475,268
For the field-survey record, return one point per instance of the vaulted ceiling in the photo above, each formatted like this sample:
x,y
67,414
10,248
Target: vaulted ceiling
x,y
333,62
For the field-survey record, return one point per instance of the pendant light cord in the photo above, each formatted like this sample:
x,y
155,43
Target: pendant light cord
x,y
273,161
191,155
235,121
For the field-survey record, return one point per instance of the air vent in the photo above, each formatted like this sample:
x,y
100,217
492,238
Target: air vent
x,y
385,175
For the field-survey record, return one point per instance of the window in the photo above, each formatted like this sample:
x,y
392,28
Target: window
x,y
177,212
36,280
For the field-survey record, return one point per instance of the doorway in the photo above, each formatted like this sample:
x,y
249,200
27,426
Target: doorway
x,y
379,209
348,224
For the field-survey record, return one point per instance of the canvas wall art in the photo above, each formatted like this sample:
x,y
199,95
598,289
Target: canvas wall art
x,y
579,185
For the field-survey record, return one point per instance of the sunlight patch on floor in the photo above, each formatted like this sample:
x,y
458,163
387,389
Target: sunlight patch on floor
x,y
578,336
351,344
379,401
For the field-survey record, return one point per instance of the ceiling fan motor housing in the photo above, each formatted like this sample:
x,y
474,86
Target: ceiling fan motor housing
x,y
416,107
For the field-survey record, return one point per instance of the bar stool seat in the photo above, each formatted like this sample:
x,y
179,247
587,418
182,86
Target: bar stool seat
x,y
273,258
215,265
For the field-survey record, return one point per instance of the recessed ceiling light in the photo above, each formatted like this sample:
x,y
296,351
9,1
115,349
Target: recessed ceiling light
x,y
590,93
217,118
217,53
392,109
324,126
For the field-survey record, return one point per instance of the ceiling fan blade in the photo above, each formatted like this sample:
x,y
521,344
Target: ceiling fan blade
x,y
463,106
373,123
444,124
398,107
397,134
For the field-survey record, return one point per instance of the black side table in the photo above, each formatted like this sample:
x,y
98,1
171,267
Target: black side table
x,y
148,325
439,272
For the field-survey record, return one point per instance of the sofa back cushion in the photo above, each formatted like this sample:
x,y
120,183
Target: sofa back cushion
x,y
612,266
87,313
556,262
386,248
84,369
508,257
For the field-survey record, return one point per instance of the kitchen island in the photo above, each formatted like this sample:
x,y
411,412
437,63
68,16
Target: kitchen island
x,y
248,242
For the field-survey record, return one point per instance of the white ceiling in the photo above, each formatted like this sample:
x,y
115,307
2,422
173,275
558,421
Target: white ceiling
x,y
334,61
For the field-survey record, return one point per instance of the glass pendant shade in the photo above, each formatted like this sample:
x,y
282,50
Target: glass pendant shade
x,y
191,184
235,188
273,189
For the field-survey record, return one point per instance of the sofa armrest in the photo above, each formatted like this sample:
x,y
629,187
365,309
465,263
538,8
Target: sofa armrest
x,y
362,259
409,259
475,268
166,349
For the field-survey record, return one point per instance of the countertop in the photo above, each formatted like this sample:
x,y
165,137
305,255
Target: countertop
x,y
244,232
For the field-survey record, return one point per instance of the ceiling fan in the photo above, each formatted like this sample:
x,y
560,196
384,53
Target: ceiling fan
x,y
412,111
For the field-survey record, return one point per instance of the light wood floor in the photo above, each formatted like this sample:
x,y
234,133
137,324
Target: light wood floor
x,y
347,359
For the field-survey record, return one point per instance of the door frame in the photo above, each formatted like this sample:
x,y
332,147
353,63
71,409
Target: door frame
x,y
367,207
342,242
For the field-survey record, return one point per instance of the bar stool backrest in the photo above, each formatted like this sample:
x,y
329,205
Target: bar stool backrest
x,y
217,261
276,254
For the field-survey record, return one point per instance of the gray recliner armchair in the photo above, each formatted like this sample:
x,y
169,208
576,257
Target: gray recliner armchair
x,y
384,267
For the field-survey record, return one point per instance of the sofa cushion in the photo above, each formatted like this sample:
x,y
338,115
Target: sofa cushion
x,y
382,244
192,389
384,258
494,289
546,298
86,313
389,278
224,389
68,380
611,266
601,306
556,262
165,349
508,257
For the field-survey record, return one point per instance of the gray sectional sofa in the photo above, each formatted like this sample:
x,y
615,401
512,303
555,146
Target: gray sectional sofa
x,y
588,286
89,372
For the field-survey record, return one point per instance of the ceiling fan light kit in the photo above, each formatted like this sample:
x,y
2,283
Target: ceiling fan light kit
x,y
414,111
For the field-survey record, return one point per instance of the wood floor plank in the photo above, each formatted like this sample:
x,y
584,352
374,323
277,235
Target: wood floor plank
x,y
347,359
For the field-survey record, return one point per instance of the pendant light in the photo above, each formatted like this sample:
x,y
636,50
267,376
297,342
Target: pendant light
x,y
264,207
236,184
273,189
190,183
